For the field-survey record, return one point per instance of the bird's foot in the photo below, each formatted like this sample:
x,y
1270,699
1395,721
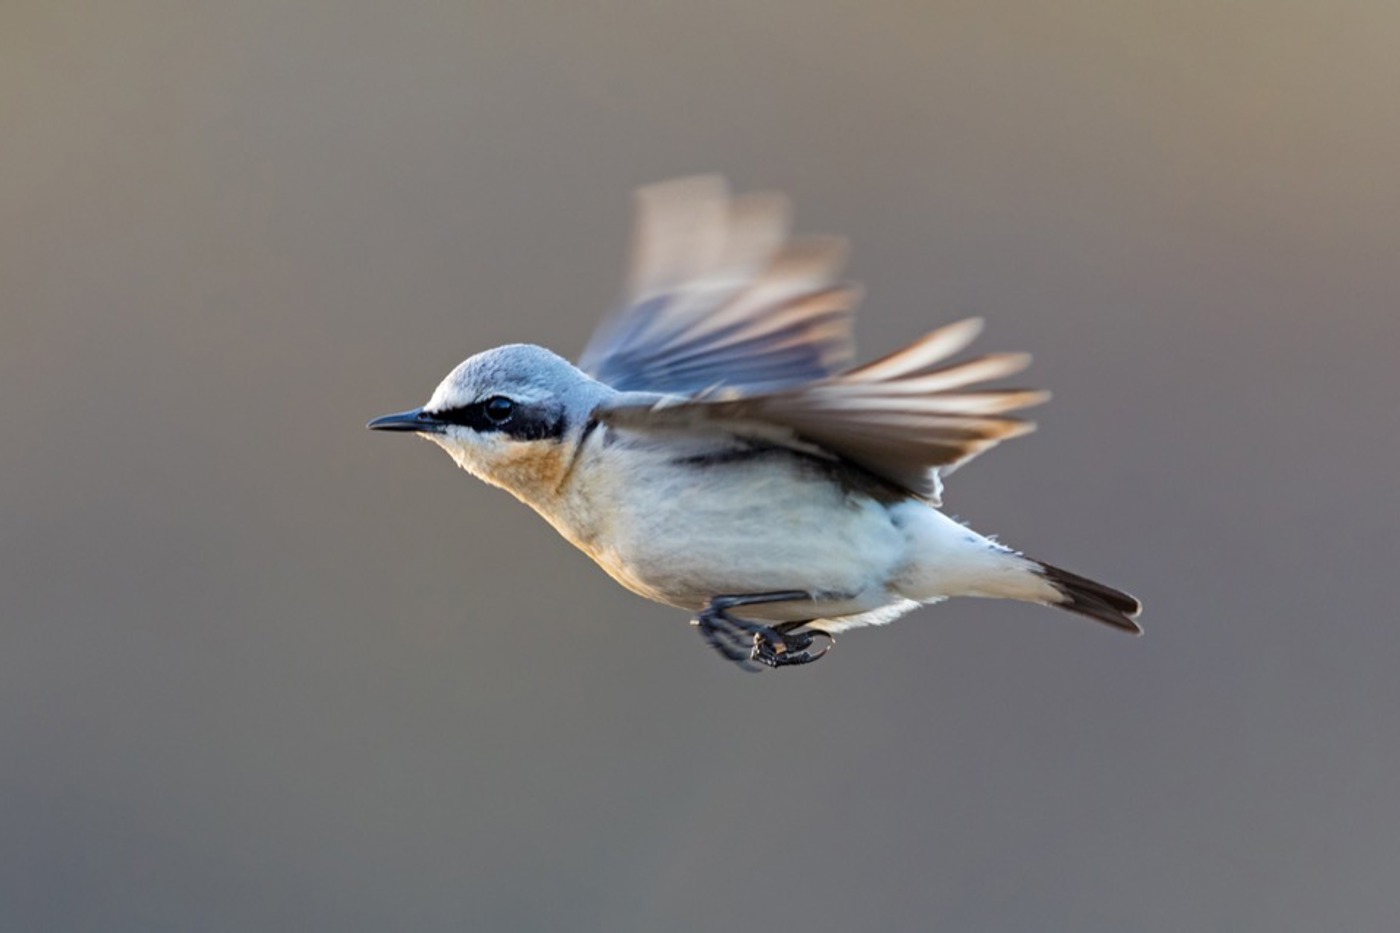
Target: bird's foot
x,y
745,642
776,648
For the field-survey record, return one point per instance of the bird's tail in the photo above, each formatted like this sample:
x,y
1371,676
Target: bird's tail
x,y
1084,596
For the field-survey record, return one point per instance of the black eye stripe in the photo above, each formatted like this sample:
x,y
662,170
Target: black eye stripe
x,y
519,420
468,416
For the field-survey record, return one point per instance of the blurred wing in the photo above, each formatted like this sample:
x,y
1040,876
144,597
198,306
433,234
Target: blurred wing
x,y
901,418
719,296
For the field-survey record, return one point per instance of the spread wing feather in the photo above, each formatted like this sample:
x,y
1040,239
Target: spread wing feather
x,y
718,295
900,421
742,331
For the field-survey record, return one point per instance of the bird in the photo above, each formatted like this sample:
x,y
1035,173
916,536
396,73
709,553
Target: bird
x,y
717,450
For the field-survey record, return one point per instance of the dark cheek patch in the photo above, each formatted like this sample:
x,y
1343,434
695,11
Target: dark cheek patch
x,y
531,424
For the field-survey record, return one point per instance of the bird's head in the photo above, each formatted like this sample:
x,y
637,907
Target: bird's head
x,y
508,416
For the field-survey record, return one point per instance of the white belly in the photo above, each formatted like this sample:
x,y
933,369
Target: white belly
x,y
682,534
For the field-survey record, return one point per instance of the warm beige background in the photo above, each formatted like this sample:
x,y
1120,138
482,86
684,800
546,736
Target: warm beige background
x,y
263,670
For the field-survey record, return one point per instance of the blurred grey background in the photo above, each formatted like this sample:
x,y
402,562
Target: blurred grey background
x,y
263,670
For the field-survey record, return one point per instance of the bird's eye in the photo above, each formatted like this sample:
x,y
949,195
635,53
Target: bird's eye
x,y
498,409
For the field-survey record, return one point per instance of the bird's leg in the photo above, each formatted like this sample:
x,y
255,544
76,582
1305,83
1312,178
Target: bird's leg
x,y
734,638
743,642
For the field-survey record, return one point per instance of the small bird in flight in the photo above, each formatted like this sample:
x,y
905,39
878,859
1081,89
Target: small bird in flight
x,y
715,450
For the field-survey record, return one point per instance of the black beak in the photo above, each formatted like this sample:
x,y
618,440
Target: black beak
x,y
415,419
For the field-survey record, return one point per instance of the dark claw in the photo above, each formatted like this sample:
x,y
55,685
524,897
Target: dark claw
x,y
788,650
745,642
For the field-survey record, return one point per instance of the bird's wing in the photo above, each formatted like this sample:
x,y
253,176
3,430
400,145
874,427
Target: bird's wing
x,y
903,418
718,295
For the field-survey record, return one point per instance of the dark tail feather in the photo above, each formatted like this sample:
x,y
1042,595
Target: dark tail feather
x,y
1103,603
